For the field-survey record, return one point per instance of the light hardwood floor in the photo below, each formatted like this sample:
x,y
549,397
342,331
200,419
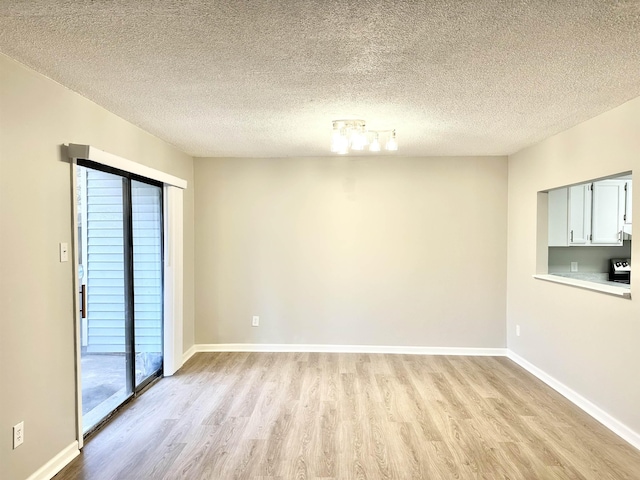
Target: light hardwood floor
x,y
352,416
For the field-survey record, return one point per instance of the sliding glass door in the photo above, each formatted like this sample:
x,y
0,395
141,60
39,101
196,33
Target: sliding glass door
x,y
146,210
120,259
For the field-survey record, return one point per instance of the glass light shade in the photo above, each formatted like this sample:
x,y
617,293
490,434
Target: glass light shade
x,y
337,138
391,145
375,145
342,145
358,140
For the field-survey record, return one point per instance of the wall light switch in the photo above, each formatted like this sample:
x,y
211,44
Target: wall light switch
x,y
517,330
574,266
64,252
18,435
255,322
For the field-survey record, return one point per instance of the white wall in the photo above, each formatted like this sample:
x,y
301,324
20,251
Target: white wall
x,y
352,251
587,340
37,357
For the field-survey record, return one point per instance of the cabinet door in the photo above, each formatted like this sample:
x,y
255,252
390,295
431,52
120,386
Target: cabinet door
x,y
558,221
628,191
579,214
607,212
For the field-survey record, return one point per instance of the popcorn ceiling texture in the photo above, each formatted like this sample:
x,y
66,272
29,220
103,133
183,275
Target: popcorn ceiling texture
x,y
265,78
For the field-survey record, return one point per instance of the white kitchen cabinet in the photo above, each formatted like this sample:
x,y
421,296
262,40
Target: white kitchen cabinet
x,y
579,214
607,212
558,208
589,214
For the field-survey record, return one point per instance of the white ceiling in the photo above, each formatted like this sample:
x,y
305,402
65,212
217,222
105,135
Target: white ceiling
x,y
265,78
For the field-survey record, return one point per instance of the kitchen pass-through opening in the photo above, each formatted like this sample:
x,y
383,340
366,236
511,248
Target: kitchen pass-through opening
x,y
585,232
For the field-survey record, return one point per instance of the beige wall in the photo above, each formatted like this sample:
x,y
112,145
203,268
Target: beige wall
x,y
352,251
36,292
586,340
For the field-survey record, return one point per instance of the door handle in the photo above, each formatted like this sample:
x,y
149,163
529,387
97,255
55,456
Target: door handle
x,y
571,236
83,301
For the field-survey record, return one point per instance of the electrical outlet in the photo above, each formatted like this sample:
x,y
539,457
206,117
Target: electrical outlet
x,y
517,330
574,266
255,322
18,435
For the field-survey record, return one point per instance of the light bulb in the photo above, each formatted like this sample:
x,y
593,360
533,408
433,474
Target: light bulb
x,y
335,138
358,140
342,145
375,145
340,139
335,142
392,144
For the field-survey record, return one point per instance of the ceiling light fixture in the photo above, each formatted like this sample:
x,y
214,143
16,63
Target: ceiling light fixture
x,y
353,135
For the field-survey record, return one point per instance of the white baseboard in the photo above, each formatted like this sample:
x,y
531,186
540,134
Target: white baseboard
x,y
596,412
299,347
57,463
189,353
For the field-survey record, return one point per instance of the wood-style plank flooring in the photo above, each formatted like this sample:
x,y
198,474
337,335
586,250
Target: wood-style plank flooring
x,y
352,416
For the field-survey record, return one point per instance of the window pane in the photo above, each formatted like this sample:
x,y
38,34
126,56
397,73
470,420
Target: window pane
x,y
146,203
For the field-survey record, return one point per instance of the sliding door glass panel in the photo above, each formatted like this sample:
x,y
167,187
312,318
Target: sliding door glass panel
x,y
146,208
104,363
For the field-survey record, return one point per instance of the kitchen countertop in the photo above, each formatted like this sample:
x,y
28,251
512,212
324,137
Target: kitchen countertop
x,y
592,281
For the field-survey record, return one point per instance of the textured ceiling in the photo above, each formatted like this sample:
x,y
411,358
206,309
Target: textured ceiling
x,y
265,78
